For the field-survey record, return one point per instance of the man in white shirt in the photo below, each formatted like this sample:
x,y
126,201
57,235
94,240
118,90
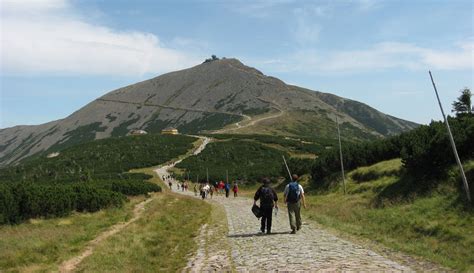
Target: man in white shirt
x,y
293,196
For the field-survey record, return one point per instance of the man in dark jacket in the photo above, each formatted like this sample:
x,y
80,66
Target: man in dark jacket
x,y
268,200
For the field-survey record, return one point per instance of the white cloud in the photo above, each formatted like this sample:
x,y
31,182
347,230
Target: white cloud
x,y
306,29
50,37
380,56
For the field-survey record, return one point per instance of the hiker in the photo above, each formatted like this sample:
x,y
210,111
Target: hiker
x,y
268,199
293,196
212,190
235,189
170,184
205,190
227,189
195,189
221,187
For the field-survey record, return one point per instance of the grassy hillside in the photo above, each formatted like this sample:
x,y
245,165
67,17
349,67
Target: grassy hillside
x,y
40,245
161,241
381,205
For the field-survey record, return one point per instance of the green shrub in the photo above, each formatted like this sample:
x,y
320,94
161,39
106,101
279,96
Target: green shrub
x,y
244,160
127,187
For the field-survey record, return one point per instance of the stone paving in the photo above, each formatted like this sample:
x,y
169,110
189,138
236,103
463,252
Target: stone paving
x,y
309,250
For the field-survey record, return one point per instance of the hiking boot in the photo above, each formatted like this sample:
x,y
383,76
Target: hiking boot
x,y
293,231
269,232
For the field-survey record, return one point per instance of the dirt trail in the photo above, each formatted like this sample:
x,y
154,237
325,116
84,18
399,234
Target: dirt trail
x,y
250,122
71,264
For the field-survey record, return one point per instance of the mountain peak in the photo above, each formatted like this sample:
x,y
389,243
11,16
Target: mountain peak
x,y
219,95
229,63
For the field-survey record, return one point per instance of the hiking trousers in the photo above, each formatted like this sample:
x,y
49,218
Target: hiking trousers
x,y
266,220
294,215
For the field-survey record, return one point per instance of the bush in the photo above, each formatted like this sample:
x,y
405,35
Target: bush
x,y
298,166
426,153
244,160
89,198
22,201
127,187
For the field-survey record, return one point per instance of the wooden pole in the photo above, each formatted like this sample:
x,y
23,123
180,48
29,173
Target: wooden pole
x,y
453,145
288,169
340,155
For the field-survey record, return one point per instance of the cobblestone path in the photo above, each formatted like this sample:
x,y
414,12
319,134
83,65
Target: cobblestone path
x,y
311,249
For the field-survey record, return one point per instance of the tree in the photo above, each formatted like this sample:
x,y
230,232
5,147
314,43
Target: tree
x,y
463,104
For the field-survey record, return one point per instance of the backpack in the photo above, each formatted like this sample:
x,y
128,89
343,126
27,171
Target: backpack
x,y
266,196
227,187
293,192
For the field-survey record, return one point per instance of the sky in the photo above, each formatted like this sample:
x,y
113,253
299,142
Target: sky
x,y
58,55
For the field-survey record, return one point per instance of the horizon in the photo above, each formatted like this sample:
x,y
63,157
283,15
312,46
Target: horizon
x,y
377,53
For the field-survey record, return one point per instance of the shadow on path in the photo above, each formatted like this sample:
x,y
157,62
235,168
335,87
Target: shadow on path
x,y
255,234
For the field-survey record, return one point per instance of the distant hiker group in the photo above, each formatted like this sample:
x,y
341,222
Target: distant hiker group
x,y
207,189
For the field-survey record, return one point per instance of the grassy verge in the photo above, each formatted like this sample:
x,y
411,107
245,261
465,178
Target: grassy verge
x,y
432,225
160,241
42,244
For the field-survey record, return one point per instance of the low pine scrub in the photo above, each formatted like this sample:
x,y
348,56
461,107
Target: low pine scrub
x,y
86,177
244,160
425,153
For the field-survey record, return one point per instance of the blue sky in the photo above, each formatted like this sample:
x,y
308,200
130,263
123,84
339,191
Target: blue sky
x,y
58,55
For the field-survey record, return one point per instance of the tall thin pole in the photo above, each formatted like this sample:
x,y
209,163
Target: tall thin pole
x,y
340,155
288,169
453,145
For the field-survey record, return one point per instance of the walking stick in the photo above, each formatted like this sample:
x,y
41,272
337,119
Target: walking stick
x,y
288,169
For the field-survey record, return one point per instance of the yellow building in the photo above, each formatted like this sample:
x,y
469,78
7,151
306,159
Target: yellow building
x,y
169,131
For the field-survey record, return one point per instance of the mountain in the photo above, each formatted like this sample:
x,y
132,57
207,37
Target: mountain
x,y
220,96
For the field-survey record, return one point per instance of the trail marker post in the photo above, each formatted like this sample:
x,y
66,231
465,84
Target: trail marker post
x,y
340,155
453,145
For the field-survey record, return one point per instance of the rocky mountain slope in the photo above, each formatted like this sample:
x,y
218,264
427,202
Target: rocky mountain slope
x,y
222,96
